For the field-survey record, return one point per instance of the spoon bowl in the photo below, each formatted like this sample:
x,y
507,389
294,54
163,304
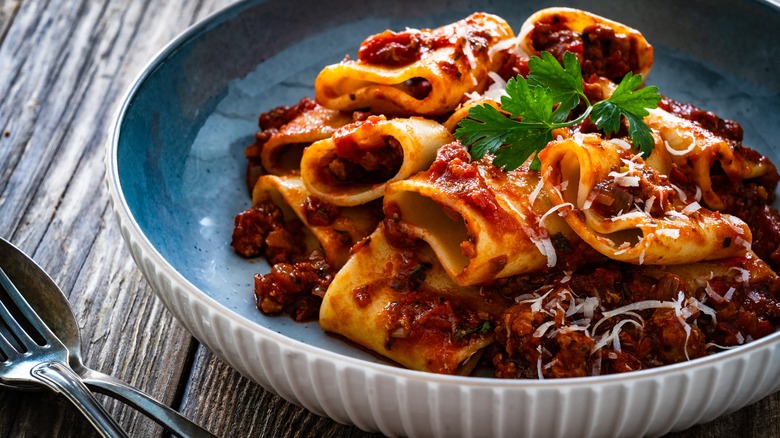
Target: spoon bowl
x,y
51,305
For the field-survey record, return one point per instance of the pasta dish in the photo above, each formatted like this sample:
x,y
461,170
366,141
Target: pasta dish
x,y
465,196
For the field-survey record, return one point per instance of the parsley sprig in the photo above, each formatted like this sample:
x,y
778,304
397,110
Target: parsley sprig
x,y
543,102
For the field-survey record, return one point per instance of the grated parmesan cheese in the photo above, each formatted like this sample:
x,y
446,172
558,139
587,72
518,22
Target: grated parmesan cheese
x,y
553,210
691,208
613,336
543,244
539,363
717,299
680,193
502,45
743,242
649,204
535,193
467,48
745,274
671,232
685,151
542,329
625,181
630,215
619,142
729,294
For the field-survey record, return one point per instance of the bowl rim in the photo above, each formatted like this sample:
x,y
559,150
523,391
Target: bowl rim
x,y
126,217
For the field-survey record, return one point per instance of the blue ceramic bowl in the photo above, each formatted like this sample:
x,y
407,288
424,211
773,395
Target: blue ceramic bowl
x,y
176,176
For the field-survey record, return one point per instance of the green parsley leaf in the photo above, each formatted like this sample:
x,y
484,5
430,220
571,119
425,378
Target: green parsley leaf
x,y
485,130
533,104
564,81
628,102
544,102
511,142
522,145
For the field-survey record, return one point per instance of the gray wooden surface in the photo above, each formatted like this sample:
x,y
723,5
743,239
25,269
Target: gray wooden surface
x,y
64,65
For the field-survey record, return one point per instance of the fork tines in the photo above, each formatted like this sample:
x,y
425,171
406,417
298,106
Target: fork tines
x,y
20,331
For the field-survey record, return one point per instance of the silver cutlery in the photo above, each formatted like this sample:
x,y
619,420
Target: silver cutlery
x,y
51,354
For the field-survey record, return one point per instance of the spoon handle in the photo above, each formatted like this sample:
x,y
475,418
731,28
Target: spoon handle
x,y
162,414
60,378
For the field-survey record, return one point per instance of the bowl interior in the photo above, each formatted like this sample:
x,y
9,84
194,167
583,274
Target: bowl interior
x,y
182,135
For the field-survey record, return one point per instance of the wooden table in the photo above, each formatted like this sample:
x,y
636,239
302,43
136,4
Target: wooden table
x,y
64,66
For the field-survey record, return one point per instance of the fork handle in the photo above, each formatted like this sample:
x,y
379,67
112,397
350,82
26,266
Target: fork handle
x,y
162,414
60,378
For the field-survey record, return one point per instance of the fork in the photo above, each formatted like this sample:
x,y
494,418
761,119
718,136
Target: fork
x,y
28,361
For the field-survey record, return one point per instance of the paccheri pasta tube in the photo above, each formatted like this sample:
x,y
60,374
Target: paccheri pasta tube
x,y
482,223
695,150
400,303
282,153
630,212
416,72
294,223
605,48
353,166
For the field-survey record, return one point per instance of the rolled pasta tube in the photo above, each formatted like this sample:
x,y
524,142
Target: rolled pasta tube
x,y
629,212
481,222
282,153
416,72
604,47
695,150
326,227
354,166
401,304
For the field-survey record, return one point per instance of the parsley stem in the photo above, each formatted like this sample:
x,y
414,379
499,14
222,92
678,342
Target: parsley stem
x,y
579,119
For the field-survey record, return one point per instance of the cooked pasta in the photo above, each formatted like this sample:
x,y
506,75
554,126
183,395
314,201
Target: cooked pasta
x,y
610,249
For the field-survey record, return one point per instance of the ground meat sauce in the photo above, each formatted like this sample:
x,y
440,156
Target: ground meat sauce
x,y
397,49
269,124
394,230
513,66
251,228
598,49
542,334
294,288
418,88
355,163
261,230
297,281
320,213
710,121
392,49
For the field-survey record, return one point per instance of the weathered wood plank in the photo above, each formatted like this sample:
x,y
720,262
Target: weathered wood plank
x,y
65,67
233,406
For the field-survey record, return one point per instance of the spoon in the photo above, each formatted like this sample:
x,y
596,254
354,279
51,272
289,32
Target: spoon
x,y
52,306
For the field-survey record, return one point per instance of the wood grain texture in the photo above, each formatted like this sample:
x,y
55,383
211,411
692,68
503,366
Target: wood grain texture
x,y
64,67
